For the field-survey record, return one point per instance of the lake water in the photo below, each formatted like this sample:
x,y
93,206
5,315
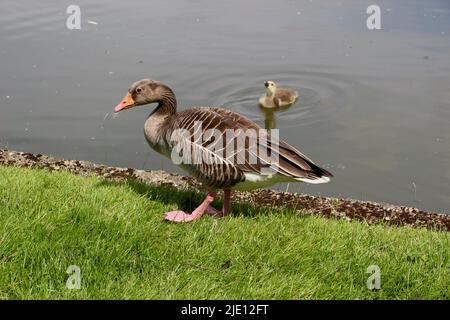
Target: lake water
x,y
374,106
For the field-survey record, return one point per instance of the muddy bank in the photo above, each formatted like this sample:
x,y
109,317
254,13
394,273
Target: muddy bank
x,y
347,209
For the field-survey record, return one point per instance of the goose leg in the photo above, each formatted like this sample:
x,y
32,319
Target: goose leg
x,y
180,216
225,209
226,202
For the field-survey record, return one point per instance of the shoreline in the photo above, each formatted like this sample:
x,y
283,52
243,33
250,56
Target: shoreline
x,y
347,209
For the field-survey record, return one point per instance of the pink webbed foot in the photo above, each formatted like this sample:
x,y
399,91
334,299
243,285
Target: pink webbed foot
x,y
213,212
179,216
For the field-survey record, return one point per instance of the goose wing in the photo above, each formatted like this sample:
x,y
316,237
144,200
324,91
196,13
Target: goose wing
x,y
285,96
290,161
220,147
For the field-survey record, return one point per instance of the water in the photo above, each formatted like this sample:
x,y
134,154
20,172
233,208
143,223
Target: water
x,y
374,106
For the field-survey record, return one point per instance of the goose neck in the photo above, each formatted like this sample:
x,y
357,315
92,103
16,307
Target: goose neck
x,y
167,105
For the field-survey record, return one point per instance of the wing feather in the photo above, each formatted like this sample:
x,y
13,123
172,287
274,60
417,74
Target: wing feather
x,y
217,168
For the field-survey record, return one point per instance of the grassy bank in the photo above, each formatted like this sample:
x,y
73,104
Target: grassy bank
x,y
114,232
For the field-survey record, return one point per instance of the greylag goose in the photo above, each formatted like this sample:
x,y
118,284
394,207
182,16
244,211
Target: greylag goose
x,y
220,148
277,97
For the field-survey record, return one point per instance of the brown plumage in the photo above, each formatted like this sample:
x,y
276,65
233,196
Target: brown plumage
x,y
216,145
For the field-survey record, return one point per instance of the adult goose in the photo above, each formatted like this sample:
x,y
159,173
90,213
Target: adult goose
x,y
221,148
277,97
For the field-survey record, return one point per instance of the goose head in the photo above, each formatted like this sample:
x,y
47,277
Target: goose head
x,y
142,92
271,87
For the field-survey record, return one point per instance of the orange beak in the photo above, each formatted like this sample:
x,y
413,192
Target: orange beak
x,y
127,102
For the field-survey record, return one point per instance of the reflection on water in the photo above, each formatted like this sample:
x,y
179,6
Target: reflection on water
x,y
270,121
270,115
374,106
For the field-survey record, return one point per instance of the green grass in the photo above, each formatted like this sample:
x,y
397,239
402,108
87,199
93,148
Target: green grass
x,y
115,233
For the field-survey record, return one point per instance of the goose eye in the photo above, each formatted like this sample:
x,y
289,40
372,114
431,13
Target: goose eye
x,y
138,90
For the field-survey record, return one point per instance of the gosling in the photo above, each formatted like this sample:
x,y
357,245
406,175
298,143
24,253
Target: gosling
x,y
277,97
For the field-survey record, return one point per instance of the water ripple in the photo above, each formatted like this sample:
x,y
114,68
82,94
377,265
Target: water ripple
x,y
320,93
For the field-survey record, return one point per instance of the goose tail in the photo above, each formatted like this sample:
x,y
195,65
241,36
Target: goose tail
x,y
316,175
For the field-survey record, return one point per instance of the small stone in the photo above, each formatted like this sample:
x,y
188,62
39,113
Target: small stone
x,y
226,264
